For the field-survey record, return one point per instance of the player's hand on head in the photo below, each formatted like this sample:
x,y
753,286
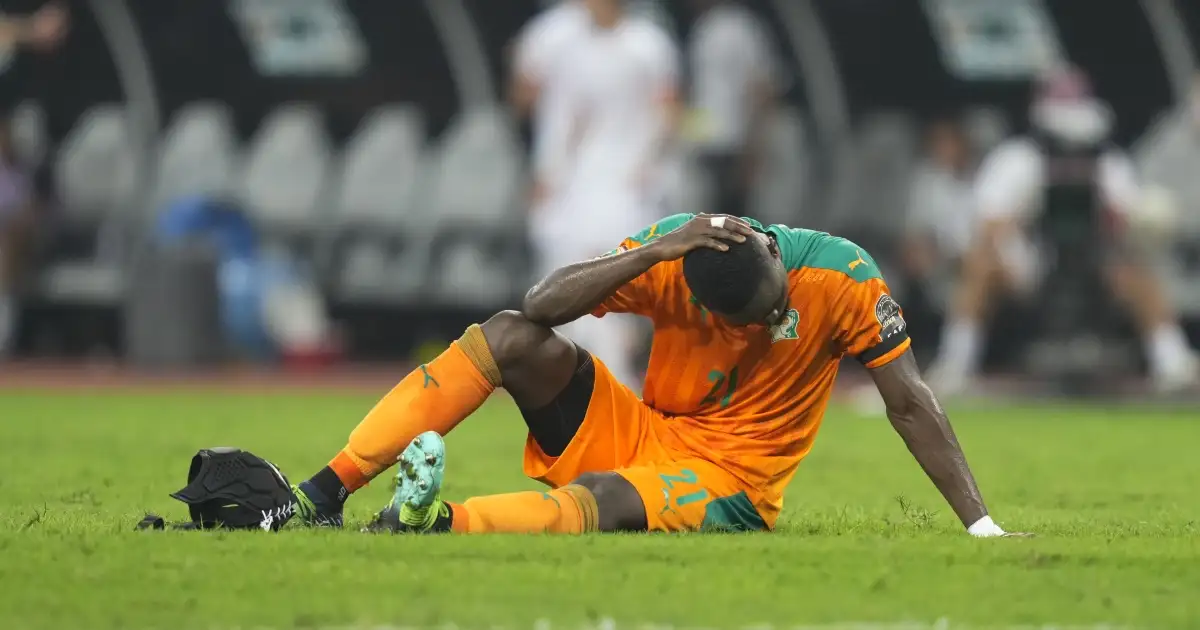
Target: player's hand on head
x,y
714,231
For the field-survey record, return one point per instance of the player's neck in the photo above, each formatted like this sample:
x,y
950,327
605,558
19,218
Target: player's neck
x,y
607,21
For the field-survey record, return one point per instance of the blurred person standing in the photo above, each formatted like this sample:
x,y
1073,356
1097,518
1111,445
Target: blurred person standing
x,y
734,86
617,81
1066,167
537,91
43,30
941,215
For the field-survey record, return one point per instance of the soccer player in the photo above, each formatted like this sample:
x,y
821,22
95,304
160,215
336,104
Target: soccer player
x,y
750,322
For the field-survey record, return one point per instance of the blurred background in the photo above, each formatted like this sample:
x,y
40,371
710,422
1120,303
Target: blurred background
x,y
306,183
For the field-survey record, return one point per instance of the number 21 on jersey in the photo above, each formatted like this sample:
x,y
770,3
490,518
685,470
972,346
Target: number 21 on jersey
x,y
724,385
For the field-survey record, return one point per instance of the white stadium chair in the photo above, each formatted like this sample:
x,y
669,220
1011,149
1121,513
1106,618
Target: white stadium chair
x,y
382,238
286,169
97,185
468,275
477,173
381,168
198,154
95,165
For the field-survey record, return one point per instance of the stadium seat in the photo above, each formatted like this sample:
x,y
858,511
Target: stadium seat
x,y
286,169
381,248
470,274
97,187
94,171
476,183
477,174
284,185
381,168
198,154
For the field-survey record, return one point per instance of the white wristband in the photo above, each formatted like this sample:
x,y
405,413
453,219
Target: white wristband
x,y
985,528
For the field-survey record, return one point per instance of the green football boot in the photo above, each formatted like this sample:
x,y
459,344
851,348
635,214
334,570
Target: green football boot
x,y
416,504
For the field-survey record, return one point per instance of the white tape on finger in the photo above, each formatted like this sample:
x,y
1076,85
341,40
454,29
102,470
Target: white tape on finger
x,y
717,222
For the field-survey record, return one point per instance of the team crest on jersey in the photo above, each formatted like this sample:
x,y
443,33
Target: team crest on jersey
x,y
786,328
887,311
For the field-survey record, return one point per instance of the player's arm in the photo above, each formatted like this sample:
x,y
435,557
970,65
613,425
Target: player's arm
x,y
1006,187
523,88
666,103
580,288
922,423
875,332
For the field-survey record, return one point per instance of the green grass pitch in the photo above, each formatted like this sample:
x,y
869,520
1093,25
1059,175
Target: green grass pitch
x,y
1113,493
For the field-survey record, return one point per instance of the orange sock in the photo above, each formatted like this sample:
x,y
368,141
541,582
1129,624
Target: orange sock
x,y
567,510
434,397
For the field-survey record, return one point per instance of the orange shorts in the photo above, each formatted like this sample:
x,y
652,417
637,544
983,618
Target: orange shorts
x,y
618,434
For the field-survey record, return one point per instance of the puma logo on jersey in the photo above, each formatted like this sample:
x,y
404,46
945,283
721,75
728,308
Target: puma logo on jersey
x,y
860,261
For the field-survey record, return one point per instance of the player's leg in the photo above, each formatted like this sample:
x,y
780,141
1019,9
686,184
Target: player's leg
x,y
987,272
532,362
695,494
686,495
1172,363
563,394
593,502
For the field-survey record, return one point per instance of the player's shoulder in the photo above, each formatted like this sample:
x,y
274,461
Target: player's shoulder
x,y
734,20
803,249
1020,151
659,228
647,34
564,20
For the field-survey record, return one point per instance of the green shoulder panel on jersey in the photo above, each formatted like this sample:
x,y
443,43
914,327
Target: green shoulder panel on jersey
x,y
818,250
662,227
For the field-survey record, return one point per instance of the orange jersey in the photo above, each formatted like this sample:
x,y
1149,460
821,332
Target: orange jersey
x,y
751,399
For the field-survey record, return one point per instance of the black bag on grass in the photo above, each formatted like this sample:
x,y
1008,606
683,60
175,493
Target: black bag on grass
x,y
233,489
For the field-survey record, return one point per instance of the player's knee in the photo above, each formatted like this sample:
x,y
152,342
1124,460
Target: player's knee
x,y
512,338
618,504
516,342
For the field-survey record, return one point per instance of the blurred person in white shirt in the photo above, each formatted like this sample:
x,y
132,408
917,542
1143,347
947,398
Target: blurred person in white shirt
x,y
537,90
1067,153
938,226
734,86
606,153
